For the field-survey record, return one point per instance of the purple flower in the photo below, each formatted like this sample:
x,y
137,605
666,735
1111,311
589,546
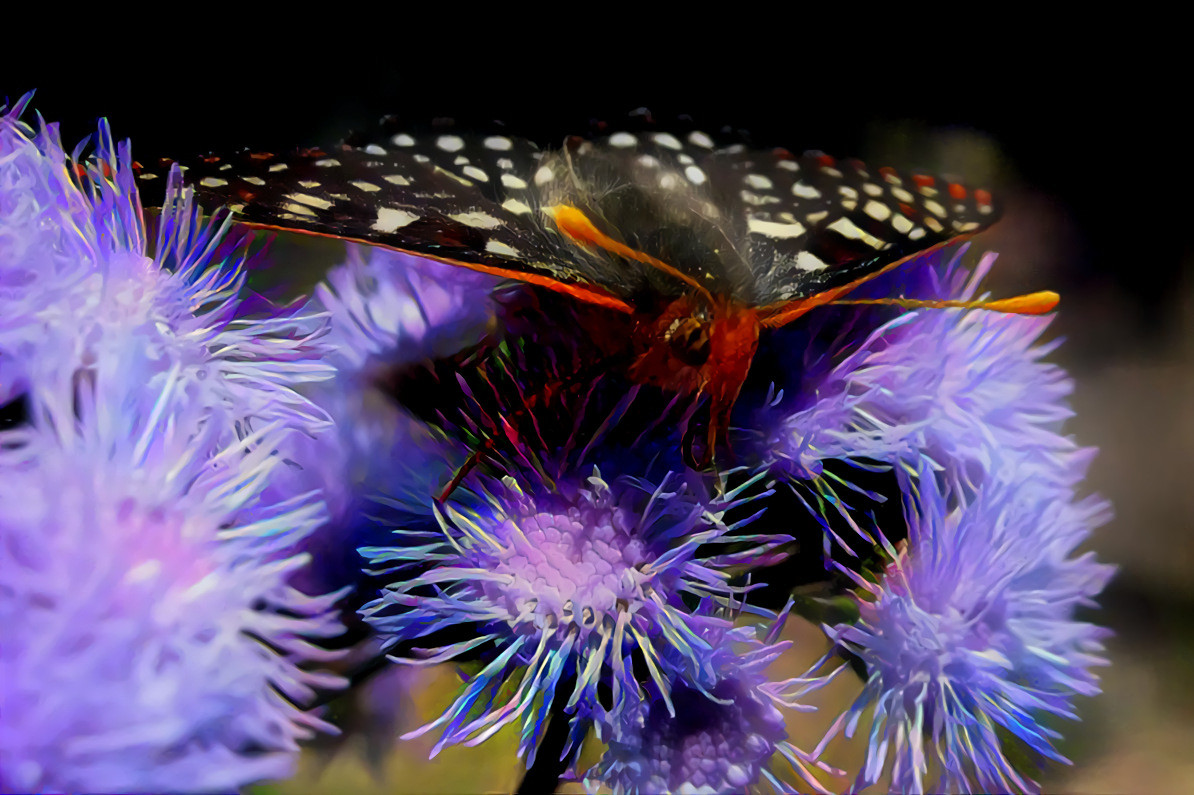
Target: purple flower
x,y
77,288
971,632
152,641
399,309
387,311
576,580
966,389
722,733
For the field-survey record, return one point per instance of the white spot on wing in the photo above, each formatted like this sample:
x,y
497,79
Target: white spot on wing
x,y
901,224
847,228
667,140
396,179
309,200
450,143
477,219
775,230
807,261
805,191
695,175
374,149
278,167
935,208
213,182
476,173
544,175
402,139
498,143
622,140
515,206
298,209
368,187
758,182
501,249
877,210
698,138
254,180
511,181
390,219
327,162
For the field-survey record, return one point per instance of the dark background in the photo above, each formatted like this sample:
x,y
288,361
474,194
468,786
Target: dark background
x,y
1083,136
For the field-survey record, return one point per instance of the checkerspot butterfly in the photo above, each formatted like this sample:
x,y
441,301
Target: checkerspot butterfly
x,y
704,246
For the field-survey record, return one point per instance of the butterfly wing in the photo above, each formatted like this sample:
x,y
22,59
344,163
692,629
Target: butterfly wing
x,y
764,228
467,200
811,224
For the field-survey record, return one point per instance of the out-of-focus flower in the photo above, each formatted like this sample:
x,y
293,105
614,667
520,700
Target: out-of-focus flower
x,y
151,641
387,311
723,733
402,309
576,581
971,632
967,389
77,287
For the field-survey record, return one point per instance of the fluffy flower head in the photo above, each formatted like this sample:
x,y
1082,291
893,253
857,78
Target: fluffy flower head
x,y
972,631
566,583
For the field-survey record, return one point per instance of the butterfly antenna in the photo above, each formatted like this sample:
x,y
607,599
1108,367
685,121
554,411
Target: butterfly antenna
x,y
1030,304
577,227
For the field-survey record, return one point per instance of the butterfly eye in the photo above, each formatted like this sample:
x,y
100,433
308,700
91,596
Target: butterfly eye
x,y
689,341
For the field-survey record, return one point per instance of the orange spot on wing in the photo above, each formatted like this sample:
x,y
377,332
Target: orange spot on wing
x,y
923,180
957,191
982,197
826,161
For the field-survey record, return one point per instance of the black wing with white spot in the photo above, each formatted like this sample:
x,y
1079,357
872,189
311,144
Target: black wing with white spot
x,y
811,223
466,200
760,227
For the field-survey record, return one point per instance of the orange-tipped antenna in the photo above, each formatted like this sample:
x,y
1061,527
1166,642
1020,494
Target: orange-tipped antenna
x,y
1031,304
577,227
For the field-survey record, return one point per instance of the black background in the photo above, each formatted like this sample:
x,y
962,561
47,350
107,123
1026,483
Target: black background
x,y
1090,123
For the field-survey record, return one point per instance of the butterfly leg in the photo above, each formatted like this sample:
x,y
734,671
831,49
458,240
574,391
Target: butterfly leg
x,y
462,472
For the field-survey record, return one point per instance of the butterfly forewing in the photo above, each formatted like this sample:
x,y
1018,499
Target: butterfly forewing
x,y
811,223
398,197
757,227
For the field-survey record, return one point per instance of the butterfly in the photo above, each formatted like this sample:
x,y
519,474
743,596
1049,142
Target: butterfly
x,y
703,247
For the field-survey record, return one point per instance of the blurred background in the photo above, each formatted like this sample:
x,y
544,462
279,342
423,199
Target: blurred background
x,y
1082,140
